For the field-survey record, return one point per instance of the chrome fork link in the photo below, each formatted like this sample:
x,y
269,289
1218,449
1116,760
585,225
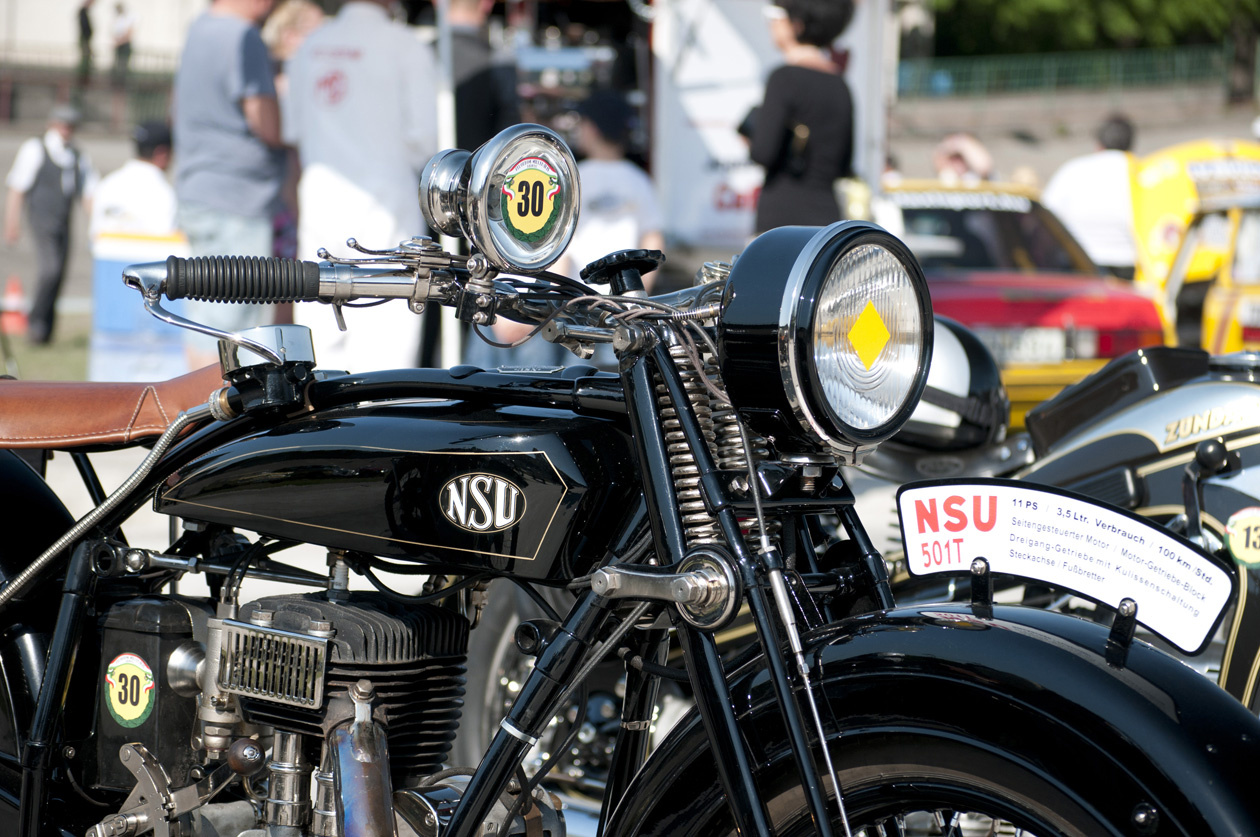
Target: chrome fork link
x,y
699,525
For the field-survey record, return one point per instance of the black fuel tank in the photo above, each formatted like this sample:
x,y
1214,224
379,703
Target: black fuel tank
x,y
533,492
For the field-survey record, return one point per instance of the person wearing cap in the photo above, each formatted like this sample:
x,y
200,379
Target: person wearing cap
x,y
802,134
619,210
48,176
1092,195
134,221
137,199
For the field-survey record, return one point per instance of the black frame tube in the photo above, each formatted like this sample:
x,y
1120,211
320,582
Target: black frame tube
x,y
650,446
634,736
530,713
872,560
753,570
41,744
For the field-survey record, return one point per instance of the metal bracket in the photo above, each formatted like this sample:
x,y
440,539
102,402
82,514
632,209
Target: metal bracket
x,y
1122,630
704,586
576,338
149,807
981,588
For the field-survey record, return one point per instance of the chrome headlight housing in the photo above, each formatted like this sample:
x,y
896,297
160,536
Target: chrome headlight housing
x,y
515,199
826,337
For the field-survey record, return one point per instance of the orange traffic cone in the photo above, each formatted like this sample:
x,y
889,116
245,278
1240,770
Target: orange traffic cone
x,y
13,308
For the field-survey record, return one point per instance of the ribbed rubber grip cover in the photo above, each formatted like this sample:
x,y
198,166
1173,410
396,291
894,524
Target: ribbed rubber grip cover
x,y
242,279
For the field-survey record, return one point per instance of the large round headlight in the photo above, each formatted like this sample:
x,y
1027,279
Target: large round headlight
x,y
515,199
826,337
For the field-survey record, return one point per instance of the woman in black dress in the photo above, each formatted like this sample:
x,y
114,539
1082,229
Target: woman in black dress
x,y
803,132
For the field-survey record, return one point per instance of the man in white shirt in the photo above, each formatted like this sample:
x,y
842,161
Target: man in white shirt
x,y
137,199
1092,196
49,174
361,112
134,215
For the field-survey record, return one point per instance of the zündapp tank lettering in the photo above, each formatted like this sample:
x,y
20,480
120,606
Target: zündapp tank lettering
x,y
1070,542
129,690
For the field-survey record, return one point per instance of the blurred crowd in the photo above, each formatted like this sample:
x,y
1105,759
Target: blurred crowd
x,y
291,130
1090,194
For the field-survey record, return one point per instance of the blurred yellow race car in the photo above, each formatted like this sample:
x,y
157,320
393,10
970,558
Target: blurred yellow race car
x,y
1189,205
1231,309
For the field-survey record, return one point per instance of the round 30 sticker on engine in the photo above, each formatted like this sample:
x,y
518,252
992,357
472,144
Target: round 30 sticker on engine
x,y
129,690
1071,542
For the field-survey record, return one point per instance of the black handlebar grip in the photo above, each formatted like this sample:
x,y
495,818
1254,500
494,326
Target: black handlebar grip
x,y
242,279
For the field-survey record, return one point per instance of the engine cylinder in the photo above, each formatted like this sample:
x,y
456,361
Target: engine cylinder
x,y
414,655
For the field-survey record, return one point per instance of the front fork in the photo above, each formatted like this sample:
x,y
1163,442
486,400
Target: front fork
x,y
547,683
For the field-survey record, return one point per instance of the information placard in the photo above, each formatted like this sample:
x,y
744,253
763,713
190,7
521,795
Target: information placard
x,y
1068,541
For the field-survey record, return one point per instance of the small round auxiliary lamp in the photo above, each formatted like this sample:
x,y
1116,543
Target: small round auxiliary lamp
x,y
515,199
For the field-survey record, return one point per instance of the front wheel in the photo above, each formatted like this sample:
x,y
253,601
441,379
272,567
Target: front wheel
x,y
913,786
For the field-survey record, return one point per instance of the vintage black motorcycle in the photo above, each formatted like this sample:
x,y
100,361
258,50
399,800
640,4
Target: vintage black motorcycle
x,y
663,498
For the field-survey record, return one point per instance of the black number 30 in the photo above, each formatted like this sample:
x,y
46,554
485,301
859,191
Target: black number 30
x,y
531,202
129,690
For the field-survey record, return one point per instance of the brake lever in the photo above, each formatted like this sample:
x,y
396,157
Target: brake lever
x,y
150,280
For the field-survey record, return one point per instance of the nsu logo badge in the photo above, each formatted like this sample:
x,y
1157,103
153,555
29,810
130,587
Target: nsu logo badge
x,y
482,503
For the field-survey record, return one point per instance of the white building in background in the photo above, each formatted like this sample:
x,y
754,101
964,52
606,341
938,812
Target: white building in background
x,y
47,31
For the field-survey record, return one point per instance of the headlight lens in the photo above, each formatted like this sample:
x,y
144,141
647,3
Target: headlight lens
x,y
867,336
846,359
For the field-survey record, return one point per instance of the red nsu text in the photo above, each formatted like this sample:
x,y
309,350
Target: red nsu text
x,y
947,552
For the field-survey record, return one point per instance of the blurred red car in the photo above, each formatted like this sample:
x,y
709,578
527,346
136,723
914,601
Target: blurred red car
x,y
1000,263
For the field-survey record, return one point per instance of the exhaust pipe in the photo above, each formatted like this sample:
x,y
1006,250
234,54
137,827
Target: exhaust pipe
x,y
364,794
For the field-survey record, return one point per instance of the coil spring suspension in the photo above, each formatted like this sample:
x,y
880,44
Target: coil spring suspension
x,y
730,457
720,426
698,525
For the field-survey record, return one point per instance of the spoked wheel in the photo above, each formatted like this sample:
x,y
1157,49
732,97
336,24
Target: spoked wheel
x,y
925,787
497,669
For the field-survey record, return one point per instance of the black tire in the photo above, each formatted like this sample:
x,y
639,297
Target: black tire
x,y
916,784
908,785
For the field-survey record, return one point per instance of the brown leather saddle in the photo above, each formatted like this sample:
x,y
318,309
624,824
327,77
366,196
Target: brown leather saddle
x,y
72,414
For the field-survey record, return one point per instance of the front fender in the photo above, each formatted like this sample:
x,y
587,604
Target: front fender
x,y
1030,684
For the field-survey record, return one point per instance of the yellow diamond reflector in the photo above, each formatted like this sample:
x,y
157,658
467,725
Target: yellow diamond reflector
x,y
869,335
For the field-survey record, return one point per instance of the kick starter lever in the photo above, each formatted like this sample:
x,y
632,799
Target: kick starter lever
x,y
154,807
